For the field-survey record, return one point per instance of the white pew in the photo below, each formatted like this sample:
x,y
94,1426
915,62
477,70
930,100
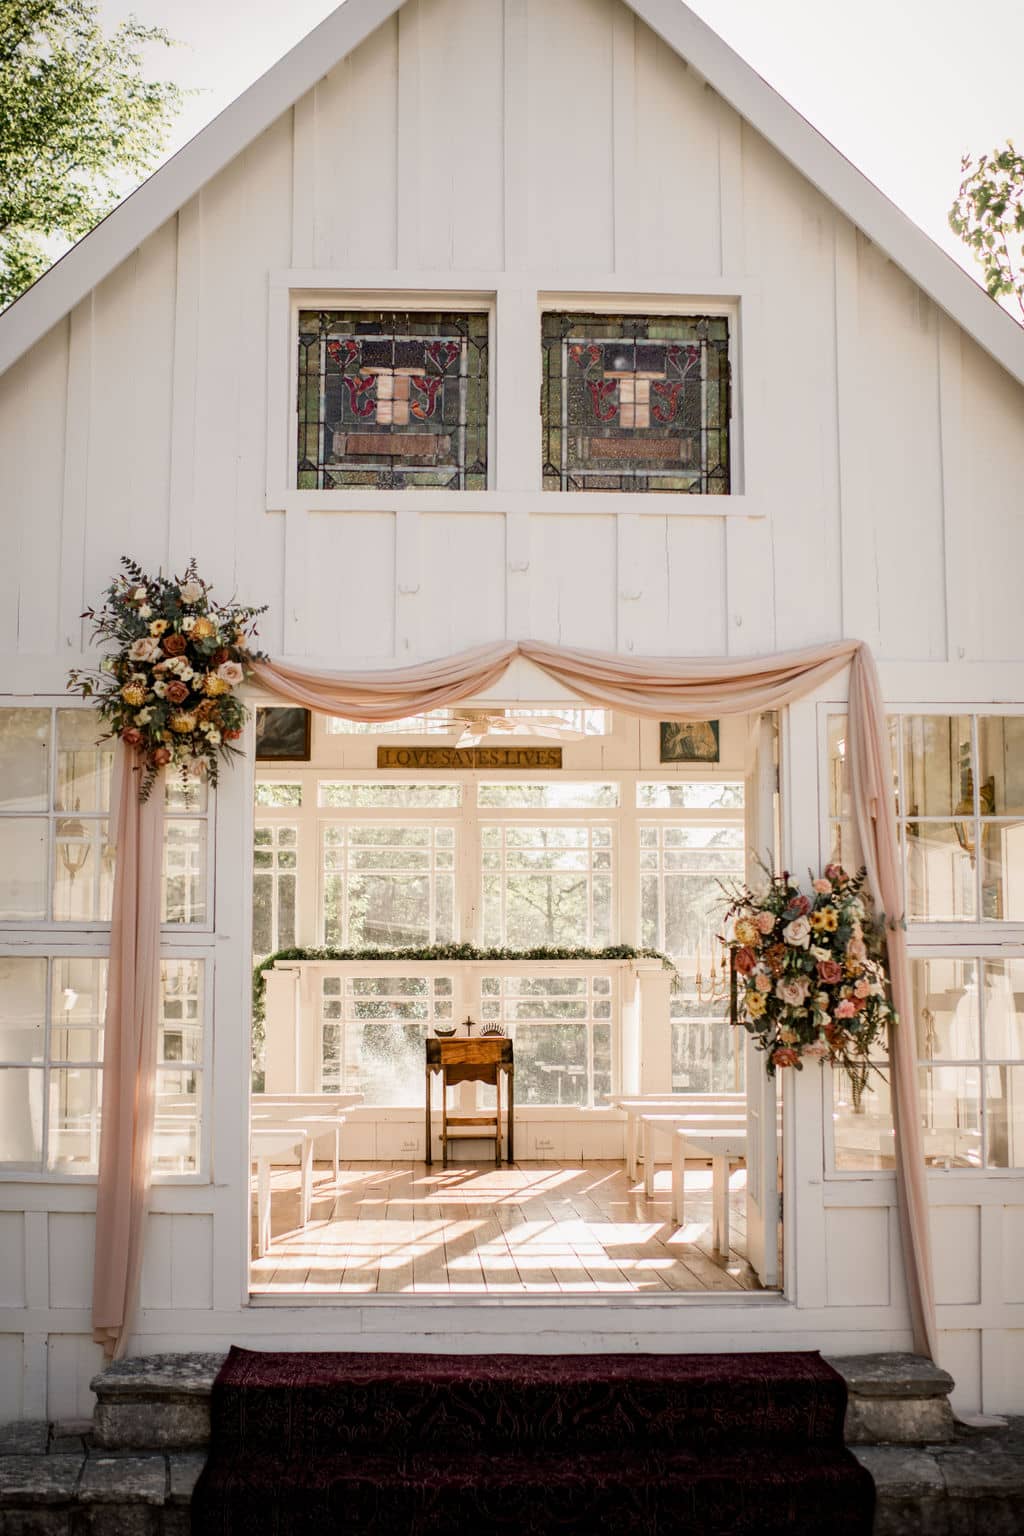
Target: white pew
x,y
724,1147
635,1104
668,1121
266,1145
323,1114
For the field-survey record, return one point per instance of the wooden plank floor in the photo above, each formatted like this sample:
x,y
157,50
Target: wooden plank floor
x,y
545,1228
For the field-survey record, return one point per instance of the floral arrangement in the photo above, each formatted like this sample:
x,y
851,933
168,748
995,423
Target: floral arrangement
x,y
168,688
809,971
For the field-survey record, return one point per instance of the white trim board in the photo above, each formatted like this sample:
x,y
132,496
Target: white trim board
x,y
174,184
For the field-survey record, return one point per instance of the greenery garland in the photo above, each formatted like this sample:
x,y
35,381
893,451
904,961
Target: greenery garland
x,y
449,952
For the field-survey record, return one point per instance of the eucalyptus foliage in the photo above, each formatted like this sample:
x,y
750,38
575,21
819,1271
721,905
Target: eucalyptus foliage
x,y
77,115
988,215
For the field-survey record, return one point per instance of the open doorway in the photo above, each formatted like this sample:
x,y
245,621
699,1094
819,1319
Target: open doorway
x,y
514,831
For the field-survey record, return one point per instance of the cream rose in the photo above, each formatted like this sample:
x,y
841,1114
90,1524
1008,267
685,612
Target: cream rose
x,y
191,591
144,650
230,672
797,933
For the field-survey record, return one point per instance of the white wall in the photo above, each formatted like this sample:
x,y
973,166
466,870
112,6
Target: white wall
x,y
512,148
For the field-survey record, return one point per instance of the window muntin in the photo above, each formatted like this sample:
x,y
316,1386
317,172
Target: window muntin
x,y
635,403
372,1032
388,885
391,399
562,1030
550,884
274,888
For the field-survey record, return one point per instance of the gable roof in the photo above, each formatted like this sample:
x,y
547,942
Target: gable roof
x,y
160,197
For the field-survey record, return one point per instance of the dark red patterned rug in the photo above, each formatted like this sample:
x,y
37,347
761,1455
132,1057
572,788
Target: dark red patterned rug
x,y
529,1445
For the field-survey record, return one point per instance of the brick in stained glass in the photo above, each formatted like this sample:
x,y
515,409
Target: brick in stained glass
x,y
636,403
392,399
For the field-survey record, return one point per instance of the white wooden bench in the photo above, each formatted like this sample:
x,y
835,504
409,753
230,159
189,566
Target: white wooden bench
x,y
635,1104
703,1118
723,1147
322,1113
266,1146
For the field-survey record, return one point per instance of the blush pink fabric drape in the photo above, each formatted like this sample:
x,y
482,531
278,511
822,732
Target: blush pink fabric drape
x,y
658,687
129,1053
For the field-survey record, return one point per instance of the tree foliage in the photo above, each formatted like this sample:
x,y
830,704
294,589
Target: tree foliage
x,y
77,115
988,215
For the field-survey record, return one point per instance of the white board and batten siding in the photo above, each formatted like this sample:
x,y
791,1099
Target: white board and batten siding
x,y
519,155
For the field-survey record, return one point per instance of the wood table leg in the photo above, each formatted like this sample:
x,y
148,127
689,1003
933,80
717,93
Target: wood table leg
x,y
306,1199
631,1159
720,1204
509,1078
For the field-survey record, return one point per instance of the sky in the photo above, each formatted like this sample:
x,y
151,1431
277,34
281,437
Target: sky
x,y
902,87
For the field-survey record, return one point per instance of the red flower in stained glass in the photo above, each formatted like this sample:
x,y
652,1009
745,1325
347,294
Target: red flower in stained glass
x,y
429,387
585,357
602,393
334,351
443,353
359,397
669,393
691,357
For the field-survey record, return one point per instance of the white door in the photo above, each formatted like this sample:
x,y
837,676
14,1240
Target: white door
x,y
761,785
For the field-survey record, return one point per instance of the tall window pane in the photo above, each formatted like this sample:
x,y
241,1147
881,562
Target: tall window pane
x,y
547,885
388,886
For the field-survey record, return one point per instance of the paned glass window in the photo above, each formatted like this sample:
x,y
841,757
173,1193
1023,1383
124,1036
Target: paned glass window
x,y
372,1034
558,795
635,403
391,400
959,783
562,1029
51,1059
179,1075
278,797
503,722
547,885
384,795
969,1022
683,866
690,795
274,876
389,886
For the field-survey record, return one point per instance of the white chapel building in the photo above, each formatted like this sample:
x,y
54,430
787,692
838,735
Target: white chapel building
x,y
492,320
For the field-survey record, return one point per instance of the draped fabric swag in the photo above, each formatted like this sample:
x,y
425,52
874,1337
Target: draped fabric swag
x,y
658,687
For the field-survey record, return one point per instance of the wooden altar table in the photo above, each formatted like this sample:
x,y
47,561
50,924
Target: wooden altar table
x,y
484,1060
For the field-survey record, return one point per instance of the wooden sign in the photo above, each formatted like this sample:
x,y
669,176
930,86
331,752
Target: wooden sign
x,y
518,758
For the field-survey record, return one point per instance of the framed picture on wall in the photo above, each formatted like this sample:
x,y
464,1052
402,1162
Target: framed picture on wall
x,y
689,741
283,735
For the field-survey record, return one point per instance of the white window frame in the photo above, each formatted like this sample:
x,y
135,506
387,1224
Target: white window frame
x,y
966,939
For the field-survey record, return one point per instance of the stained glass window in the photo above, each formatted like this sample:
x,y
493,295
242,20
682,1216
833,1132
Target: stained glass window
x,y
636,403
390,400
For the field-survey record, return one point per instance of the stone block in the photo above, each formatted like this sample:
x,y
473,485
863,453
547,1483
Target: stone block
x,y
892,1375
909,1490
155,1402
898,1420
36,1479
184,1472
36,1522
26,1437
124,1480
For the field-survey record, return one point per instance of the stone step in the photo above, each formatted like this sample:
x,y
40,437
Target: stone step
x,y
161,1402
895,1399
154,1402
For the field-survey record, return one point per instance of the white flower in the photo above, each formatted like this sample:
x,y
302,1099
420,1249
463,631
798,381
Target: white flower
x,y
191,591
798,933
185,671
231,673
107,664
143,717
159,689
139,595
214,738
145,612
819,953
189,623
